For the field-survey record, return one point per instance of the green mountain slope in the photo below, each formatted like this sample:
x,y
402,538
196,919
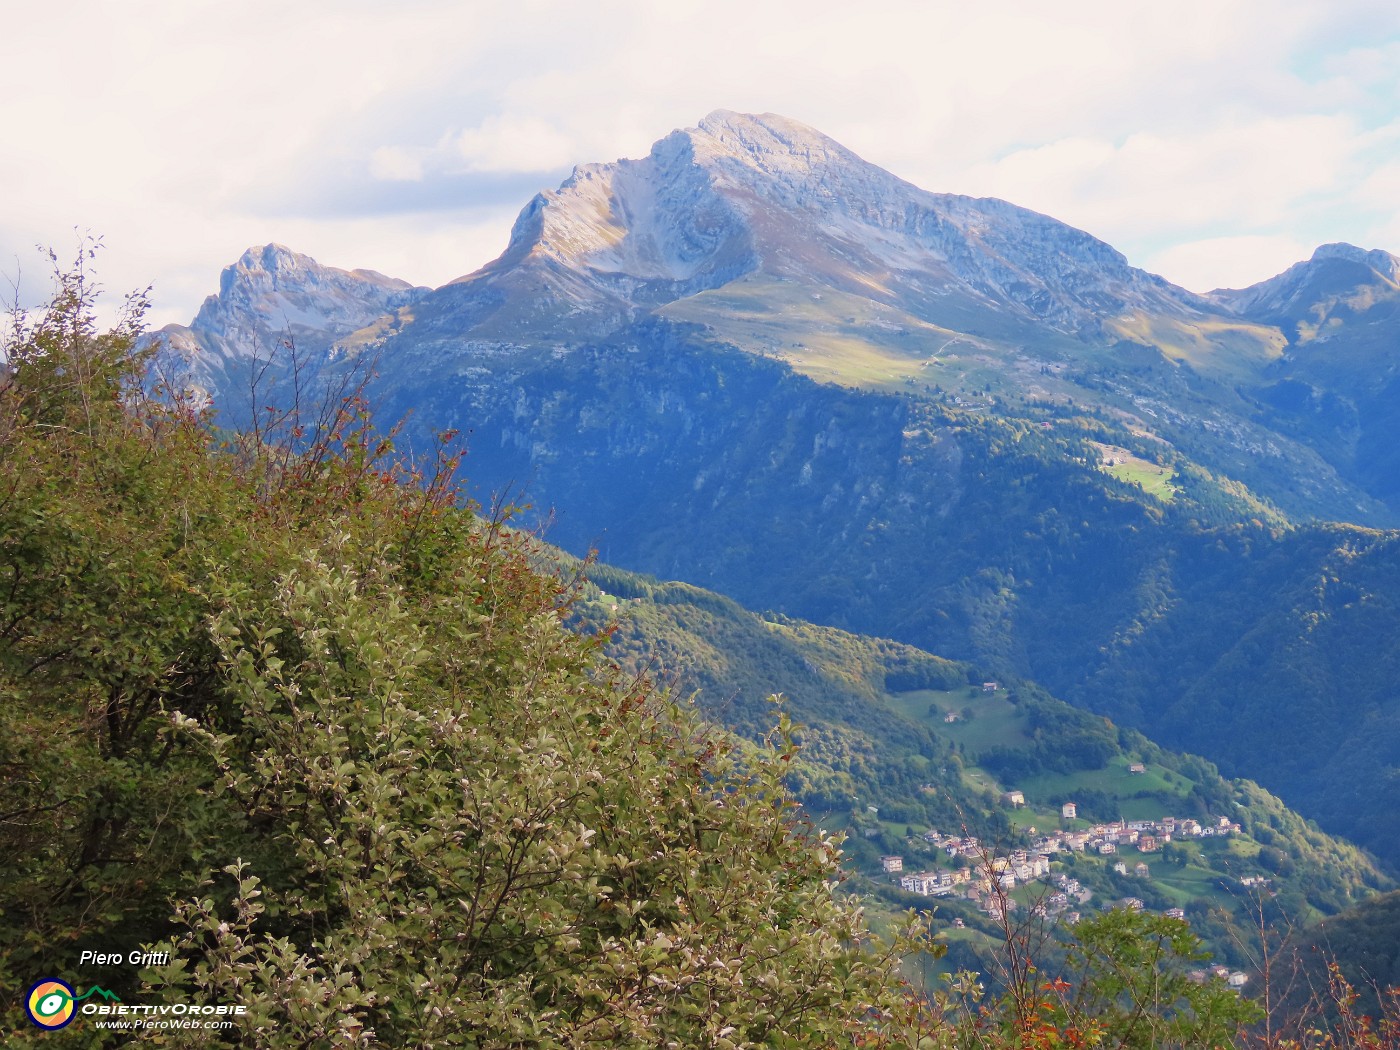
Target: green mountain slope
x,y
1280,649
1009,543
756,362
898,743
1364,942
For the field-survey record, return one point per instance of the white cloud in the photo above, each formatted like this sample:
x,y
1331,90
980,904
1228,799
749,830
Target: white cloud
x,y
1227,262
396,164
1242,175
508,143
1379,182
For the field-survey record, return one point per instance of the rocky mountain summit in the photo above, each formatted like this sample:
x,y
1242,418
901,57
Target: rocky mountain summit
x,y
763,199
760,233
1314,297
750,201
273,299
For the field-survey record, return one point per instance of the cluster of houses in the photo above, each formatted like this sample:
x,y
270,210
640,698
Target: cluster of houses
x,y
987,884
986,881
1146,836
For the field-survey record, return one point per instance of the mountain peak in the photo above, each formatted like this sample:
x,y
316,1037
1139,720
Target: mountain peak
x,y
721,119
1312,290
272,294
778,148
273,258
766,134
1387,265
766,197
282,264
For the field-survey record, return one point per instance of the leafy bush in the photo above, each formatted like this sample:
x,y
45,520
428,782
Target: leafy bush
x,y
286,680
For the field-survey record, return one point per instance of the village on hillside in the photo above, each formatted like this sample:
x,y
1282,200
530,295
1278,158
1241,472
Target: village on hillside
x,y
989,878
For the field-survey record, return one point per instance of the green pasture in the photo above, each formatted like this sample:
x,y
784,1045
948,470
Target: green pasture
x,y
1153,478
993,720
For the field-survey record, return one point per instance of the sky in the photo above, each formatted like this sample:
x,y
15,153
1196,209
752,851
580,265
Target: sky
x,y
1212,142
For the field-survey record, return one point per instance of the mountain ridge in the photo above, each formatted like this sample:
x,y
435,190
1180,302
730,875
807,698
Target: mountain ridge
x,y
1333,270
764,234
739,176
895,451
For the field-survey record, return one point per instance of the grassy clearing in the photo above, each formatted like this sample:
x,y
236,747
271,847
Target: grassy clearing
x,y
1229,351
830,336
986,720
1114,779
982,720
847,339
1152,478
1149,477
1184,885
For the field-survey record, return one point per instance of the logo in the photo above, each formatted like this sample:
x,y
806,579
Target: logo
x,y
51,1003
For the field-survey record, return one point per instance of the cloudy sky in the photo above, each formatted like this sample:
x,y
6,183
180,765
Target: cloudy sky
x,y
1213,142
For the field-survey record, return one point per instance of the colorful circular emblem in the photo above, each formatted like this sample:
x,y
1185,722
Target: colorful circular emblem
x,y
50,1003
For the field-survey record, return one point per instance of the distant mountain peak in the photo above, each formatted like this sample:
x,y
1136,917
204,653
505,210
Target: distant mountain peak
x,y
767,141
283,264
273,295
728,120
273,258
1381,261
767,197
1318,288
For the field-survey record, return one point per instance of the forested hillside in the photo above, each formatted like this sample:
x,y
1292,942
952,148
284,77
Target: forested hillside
x,y
275,704
921,740
1197,614
1363,943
